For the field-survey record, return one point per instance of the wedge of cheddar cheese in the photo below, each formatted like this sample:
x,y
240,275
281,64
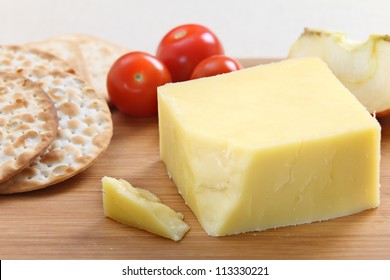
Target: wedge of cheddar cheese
x,y
142,209
269,146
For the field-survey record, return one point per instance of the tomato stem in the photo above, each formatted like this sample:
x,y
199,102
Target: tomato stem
x,y
138,77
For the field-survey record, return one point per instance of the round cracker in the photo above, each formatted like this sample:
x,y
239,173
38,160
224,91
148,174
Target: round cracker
x,y
28,123
84,132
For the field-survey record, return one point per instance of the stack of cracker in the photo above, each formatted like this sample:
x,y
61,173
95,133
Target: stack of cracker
x,y
54,118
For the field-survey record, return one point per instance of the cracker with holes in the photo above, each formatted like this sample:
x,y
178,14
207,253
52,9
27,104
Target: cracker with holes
x,y
67,50
97,54
28,123
84,132
17,58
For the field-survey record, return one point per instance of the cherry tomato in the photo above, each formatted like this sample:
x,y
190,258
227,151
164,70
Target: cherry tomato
x,y
132,83
214,65
182,48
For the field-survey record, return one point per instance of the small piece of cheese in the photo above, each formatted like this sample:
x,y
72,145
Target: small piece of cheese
x,y
142,209
269,146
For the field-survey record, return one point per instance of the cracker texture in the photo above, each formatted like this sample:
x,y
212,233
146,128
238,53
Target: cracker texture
x,y
97,56
66,50
84,132
18,58
28,123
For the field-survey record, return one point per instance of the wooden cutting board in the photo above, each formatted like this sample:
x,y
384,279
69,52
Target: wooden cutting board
x,y
66,221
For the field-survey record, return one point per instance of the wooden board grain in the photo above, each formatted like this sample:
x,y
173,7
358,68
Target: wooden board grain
x,y
66,221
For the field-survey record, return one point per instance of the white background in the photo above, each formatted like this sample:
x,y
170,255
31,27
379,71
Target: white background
x,y
246,28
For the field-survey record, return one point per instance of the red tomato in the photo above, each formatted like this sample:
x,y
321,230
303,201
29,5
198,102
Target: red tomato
x,y
132,83
214,65
184,47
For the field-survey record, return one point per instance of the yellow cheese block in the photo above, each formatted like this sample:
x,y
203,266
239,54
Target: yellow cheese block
x,y
269,146
142,209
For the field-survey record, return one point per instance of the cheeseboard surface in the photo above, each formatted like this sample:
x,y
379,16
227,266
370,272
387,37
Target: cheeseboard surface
x,y
66,221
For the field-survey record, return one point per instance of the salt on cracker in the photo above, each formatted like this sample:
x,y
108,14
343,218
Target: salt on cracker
x,y
28,123
17,58
84,132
